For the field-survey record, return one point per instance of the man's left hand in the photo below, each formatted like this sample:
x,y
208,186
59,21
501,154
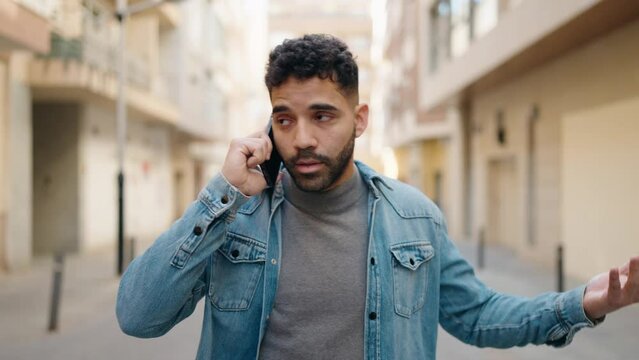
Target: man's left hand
x,y
611,291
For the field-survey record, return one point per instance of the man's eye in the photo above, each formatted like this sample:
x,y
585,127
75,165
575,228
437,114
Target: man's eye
x,y
283,121
323,117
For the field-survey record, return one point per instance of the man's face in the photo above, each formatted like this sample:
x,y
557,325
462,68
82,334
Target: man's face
x,y
315,127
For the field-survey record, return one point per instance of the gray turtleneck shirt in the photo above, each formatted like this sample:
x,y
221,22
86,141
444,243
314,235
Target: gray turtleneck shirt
x,y
320,299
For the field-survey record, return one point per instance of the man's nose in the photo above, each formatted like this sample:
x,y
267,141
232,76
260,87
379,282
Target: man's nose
x,y
305,136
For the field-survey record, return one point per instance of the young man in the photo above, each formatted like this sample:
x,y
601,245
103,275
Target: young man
x,y
335,261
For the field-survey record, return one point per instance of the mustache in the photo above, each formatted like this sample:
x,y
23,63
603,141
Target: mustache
x,y
307,154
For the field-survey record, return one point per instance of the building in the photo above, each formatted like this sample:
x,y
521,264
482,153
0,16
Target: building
x,y
59,122
24,31
519,117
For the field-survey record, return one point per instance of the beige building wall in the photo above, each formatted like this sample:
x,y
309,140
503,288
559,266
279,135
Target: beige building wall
x,y
18,163
3,163
149,204
597,74
600,198
424,165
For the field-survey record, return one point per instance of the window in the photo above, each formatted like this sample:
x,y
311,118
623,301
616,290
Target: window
x,y
485,14
460,26
439,34
454,24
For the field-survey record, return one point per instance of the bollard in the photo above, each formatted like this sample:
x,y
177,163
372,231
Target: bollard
x,y
560,268
58,269
481,250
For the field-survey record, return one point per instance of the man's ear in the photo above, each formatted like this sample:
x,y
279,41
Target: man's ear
x,y
361,119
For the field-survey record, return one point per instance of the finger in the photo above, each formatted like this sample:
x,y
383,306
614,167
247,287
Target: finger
x,y
633,273
254,161
269,145
614,285
254,147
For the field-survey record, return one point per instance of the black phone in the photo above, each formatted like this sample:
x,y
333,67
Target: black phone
x,y
271,168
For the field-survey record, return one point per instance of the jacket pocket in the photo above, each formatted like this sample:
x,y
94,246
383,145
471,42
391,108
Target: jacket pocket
x,y
237,267
410,275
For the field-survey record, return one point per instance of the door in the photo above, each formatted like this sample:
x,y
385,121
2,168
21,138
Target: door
x,y
56,203
502,202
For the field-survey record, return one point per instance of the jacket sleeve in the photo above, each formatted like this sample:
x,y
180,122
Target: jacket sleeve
x,y
162,286
479,316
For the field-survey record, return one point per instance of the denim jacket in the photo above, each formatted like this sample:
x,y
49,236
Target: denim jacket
x,y
226,248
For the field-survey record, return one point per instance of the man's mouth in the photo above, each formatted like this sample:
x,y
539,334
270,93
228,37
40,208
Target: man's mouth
x,y
307,166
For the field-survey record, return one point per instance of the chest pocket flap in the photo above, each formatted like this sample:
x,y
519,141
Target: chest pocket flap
x,y
239,249
411,255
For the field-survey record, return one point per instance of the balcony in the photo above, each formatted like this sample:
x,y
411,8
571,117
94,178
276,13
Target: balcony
x,y
85,69
22,29
534,32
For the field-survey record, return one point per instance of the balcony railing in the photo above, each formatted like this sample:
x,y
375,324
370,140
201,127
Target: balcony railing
x,y
85,31
100,55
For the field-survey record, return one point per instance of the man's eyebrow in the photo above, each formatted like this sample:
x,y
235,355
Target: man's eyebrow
x,y
323,106
280,108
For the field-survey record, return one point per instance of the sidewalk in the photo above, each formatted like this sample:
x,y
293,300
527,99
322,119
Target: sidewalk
x,y
88,328
87,325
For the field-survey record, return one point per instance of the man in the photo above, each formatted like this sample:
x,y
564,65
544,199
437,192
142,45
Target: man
x,y
335,261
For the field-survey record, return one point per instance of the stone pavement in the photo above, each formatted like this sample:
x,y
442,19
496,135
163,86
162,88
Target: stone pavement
x,y
88,328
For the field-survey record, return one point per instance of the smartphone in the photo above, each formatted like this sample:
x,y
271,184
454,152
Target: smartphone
x,y
271,168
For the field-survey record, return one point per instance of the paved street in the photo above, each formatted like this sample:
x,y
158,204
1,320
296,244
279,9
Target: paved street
x,y
88,329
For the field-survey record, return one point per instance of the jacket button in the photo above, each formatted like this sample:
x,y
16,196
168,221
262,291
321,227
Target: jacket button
x,y
235,253
412,262
197,230
225,199
372,261
372,315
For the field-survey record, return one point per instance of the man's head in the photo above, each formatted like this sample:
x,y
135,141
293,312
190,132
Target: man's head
x,y
312,82
315,55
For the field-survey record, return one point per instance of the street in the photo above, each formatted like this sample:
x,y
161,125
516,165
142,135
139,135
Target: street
x,y
88,328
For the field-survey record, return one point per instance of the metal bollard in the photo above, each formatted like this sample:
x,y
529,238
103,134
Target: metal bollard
x,y
560,268
58,269
481,250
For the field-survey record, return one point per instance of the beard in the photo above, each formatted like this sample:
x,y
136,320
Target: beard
x,y
326,177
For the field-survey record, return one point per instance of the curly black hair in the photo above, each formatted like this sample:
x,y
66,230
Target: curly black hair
x,y
321,55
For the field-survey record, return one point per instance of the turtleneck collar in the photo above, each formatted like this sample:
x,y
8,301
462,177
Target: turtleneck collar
x,y
334,200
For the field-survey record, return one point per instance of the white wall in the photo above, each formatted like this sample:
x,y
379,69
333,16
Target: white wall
x,y
600,198
3,153
18,196
149,198
598,74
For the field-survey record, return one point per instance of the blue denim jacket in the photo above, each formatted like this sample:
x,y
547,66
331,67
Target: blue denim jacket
x,y
226,248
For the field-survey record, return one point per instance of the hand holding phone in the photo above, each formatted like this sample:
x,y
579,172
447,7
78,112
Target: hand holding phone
x,y
241,167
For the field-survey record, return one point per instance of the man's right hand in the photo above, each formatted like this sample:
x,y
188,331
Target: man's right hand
x,y
242,159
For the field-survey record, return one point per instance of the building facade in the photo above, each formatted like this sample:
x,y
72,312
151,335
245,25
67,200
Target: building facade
x,y
24,31
58,121
523,123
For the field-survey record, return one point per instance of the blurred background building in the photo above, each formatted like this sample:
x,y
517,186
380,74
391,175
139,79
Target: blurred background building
x,y
193,67
519,118
24,30
515,116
